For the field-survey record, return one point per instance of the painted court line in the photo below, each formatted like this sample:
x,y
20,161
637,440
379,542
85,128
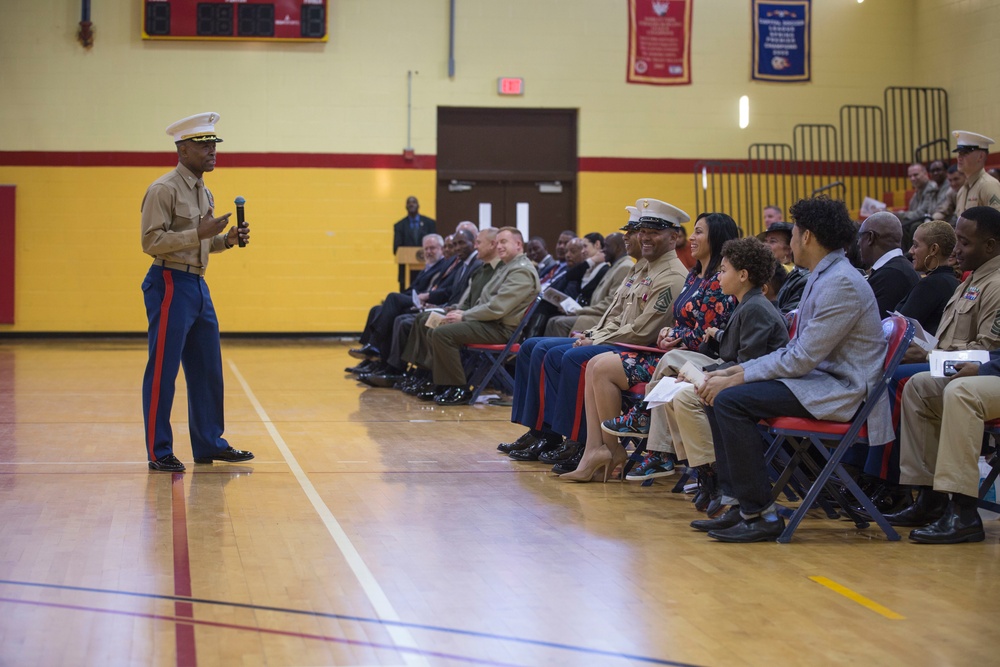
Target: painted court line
x,y
860,599
369,584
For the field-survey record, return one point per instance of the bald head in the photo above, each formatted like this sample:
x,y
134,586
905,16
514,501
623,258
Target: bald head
x,y
879,234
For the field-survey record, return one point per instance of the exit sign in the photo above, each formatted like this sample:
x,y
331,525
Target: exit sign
x,y
510,86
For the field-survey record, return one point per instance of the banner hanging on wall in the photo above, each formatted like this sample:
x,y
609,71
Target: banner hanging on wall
x,y
781,40
659,42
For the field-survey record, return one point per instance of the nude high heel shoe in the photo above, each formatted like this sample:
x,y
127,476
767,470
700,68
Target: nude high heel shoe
x,y
601,460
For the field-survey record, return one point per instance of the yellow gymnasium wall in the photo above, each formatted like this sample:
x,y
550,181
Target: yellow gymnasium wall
x,y
321,250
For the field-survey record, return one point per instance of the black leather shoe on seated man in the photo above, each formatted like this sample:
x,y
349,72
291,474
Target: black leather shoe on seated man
x,y
531,453
525,441
757,529
384,379
563,452
366,352
454,396
228,455
366,366
929,506
960,523
728,519
569,465
168,463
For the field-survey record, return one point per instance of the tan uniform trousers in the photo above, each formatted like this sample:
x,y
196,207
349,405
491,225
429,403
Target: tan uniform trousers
x,y
942,430
665,433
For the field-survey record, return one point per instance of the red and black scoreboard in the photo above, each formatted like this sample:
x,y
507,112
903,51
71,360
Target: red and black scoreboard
x,y
265,20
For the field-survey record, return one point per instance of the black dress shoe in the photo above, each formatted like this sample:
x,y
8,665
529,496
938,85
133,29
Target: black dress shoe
x,y
382,379
366,352
229,455
757,529
926,509
531,453
454,396
526,440
168,463
952,528
428,392
729,518
416,388
569,465
367,366
563,452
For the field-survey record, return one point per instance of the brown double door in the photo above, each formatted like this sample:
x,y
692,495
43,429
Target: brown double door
x,y
507,166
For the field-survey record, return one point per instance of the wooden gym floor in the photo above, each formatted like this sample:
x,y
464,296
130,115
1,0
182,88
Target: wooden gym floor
x,y
374,529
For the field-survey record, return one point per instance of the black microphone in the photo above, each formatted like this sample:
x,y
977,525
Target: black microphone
x,y
240,222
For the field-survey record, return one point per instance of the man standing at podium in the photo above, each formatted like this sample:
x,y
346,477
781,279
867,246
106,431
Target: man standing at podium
x,y
410,231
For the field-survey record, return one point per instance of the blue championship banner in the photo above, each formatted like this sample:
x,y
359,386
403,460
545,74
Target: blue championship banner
x,y
781,40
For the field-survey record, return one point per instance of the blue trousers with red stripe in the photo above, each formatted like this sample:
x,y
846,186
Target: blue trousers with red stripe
x,y
183,330
548,386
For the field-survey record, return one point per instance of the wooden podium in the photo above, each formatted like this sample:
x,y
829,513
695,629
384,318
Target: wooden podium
x,y
409,258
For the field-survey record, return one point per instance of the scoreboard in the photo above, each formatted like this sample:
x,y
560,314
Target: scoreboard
x,y
264,20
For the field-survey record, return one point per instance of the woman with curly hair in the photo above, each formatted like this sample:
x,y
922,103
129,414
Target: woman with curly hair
x,y
701,304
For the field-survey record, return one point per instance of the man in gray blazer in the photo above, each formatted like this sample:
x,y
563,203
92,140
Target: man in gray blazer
x,y
825,371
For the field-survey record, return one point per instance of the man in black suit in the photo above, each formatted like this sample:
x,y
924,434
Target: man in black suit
x,y
410,232
891,275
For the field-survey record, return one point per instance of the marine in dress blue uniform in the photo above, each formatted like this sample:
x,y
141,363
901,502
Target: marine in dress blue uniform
x,y
180,231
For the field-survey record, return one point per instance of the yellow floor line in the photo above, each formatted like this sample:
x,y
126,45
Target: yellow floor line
x,y
860,599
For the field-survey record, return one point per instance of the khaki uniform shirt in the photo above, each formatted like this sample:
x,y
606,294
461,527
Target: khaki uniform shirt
x,y
979,190
171,210
647,306
480,277
507,295
971,320
604,293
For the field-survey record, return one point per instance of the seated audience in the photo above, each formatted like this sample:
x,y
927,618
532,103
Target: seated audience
x,y
942,434
779,237
938,171
891,275
545,264
700,305
824,372
547,391
945,209
933,243
921,204
434,264
617,253
492,320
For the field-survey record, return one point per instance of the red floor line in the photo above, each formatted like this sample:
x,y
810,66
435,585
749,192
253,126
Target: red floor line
x,y
187,654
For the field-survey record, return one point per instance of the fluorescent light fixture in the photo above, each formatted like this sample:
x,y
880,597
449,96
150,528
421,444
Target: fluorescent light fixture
x,y
704,178
744,112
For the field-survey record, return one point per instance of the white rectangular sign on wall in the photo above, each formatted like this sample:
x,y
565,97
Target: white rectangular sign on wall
x,y
485,215
522,219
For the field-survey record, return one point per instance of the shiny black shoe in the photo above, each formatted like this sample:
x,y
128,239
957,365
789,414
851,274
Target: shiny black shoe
x,y
563,452
568,465
366,352
526,440
454,396
367,366
952,528
229,455
756,529
531,453
729,518
419,387
383,379
168,463
926,509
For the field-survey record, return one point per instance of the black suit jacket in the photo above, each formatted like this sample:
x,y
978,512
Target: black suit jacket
x,y
891,283
423,280
452,286
926,301
404,235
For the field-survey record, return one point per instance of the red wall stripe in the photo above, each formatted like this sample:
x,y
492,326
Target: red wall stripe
x,y
422,162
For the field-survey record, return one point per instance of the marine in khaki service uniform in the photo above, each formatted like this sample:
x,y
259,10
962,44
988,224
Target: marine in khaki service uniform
x,y
980,188
179,230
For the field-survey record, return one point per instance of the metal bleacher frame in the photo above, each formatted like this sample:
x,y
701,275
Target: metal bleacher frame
x,y
865,155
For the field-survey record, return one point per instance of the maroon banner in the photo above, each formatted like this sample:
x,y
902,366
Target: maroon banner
x,y
659,42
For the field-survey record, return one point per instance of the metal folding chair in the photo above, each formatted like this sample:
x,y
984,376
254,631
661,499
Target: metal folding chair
x,y
487,361
992,428
820,445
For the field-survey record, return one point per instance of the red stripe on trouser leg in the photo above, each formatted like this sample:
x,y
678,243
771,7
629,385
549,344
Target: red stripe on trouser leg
x,y
540,422
581,385
161,336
